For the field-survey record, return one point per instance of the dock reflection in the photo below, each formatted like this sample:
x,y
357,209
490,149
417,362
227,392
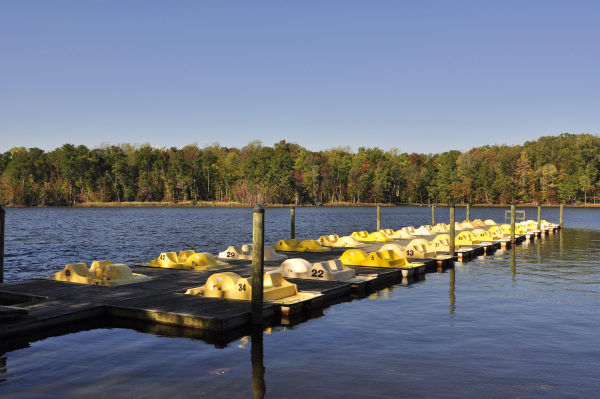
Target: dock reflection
x,y
219,339
257,358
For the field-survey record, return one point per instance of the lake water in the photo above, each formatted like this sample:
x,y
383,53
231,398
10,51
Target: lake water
x,y
513,324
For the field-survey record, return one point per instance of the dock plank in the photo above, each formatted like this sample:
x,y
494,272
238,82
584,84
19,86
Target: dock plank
x,y
189,311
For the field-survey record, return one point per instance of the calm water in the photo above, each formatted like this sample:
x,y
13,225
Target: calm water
x,y
492,327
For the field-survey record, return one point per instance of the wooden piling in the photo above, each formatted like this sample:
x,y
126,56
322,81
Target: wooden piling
x,y
513,214
451,244
468,212
561,214
433,214
2,221
539,223
293,222
378,217
258,256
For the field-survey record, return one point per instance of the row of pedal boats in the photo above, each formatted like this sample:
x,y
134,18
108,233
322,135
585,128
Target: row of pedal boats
x,y
279,291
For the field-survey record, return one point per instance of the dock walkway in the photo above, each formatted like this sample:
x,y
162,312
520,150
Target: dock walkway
x,y
48,303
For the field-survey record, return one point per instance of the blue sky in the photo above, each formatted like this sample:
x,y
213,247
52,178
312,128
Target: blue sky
x,y
420,76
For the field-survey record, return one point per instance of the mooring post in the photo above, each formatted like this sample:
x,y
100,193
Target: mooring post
x,y
451,244
293,222
540,218
433,214
561,214
2,220
258,256
513,214
468,212
378,217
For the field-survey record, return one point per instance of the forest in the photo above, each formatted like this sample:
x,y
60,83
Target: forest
x,y
547,170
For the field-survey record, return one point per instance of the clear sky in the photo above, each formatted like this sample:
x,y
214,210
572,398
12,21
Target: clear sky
x,y
422,76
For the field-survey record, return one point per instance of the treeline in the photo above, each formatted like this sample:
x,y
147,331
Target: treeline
x,y
547,170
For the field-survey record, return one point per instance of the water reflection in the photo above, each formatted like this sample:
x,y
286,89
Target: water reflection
x,y
513,268
451,293
301,317
258,368
560,237
408,280
3,368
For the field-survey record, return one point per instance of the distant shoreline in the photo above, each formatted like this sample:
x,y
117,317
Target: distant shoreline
x,y
210,204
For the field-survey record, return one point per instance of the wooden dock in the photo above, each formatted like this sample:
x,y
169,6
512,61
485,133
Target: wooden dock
x,y
31,307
